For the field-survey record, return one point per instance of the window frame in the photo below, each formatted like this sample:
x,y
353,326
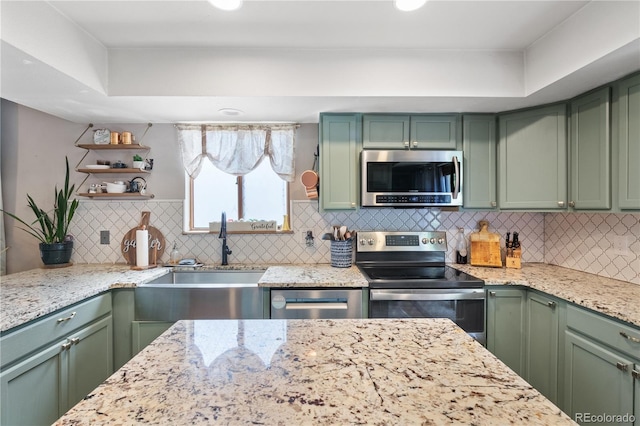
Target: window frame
x,y
191,229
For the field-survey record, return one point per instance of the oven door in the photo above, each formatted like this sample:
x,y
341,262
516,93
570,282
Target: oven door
x,y
465,307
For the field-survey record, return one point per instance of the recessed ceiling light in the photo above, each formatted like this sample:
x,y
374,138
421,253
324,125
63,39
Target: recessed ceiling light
x,y
230,111
409,5
226,4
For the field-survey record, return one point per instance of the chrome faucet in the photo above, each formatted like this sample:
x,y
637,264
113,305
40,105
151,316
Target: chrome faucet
x,y
223,234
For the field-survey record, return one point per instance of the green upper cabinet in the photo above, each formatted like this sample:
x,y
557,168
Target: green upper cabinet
x,y
419,131
340,146
629,143
590,151
382,131
533,159
479,163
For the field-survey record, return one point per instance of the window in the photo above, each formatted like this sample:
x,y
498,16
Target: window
x,y
258,195
239,169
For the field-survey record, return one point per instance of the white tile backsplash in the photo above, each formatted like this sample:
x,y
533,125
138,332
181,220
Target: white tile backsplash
x,y
585,242
166,215
574,240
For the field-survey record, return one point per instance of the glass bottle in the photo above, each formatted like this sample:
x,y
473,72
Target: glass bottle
x,y
174,257
461,247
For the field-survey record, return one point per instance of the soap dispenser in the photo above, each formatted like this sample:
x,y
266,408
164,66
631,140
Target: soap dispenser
x,y
461,247
174,257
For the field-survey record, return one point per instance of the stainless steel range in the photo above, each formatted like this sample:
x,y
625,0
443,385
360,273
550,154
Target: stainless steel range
x,y
408,278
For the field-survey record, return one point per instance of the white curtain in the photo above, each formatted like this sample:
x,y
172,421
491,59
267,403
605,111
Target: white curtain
x,y
237,149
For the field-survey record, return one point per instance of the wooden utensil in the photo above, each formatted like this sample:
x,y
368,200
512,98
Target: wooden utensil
x,y
156,242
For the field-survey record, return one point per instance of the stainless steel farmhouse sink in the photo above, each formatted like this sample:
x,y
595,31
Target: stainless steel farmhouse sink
x,y
217,294
214,278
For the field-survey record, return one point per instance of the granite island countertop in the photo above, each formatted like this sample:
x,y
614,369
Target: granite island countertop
x,y
417,371
320,275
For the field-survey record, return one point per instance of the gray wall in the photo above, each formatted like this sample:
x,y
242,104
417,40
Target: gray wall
x,y
34,145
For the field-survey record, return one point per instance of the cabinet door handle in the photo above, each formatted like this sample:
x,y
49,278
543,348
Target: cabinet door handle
x,y
626,336
635,374
572,203
621,366
74,340
492,293
552,305
406,144
560,203
415,144
70,317
66,346
494,204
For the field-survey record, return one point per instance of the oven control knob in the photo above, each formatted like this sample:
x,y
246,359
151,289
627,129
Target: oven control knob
x,y
363,241
370,241
432,240
425,241
440,240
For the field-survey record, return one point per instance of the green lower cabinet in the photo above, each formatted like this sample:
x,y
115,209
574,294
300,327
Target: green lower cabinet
x,y
145,332
598,381
32,391
506,319
542,344
90,359
44,386
636,383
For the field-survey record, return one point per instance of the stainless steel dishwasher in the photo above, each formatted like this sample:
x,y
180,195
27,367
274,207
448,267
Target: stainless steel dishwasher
x,y
316,303
201,295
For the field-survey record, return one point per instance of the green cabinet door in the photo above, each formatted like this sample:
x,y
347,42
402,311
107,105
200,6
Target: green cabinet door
x,y
145,332
532,167
33,391
90,359
597,380
418,131
636,391
506,320
591,151
434,131
385,131
629,143
479,163
542,344
340,146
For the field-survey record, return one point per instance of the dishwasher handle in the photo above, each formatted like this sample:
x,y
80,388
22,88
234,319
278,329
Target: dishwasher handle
x,y
316,305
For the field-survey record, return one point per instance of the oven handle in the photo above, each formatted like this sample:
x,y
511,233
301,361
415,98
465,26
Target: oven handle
x,y
382,295
456,188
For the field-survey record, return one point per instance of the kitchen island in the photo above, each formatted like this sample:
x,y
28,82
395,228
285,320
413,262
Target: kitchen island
x,y
419,371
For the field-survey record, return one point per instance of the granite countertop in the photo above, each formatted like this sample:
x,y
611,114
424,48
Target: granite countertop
x,y
618,299
421,371
321,275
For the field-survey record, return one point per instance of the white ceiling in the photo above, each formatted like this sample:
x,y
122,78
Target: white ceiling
x,y
169,61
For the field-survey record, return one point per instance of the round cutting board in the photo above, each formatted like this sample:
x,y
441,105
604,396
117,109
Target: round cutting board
x,y
156,242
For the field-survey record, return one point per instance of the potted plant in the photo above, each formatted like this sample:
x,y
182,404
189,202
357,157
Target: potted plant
x,y
138,162
52,230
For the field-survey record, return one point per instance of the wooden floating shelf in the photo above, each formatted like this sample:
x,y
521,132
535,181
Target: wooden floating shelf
x,y
95,146
112,171
127,195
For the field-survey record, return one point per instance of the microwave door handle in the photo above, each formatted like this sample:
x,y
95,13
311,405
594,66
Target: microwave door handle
x,y
456,167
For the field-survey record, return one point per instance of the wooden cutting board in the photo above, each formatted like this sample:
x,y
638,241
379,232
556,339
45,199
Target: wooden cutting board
x,y
156,242
485,247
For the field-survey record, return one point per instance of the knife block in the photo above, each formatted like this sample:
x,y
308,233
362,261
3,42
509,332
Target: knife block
x,y
513,261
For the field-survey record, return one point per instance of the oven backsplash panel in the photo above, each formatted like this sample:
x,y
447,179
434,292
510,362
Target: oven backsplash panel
x,y
119,217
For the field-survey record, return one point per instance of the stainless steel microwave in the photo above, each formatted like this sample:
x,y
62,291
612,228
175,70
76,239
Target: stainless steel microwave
x,y
411,178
